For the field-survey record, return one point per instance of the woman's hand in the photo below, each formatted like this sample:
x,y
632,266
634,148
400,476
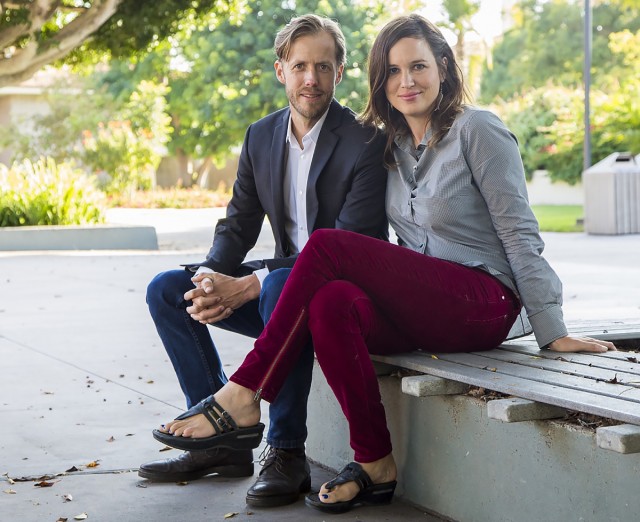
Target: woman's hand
x,y
581,344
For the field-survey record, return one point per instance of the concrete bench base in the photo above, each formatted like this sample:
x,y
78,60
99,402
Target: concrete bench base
x,y
84,237
456,461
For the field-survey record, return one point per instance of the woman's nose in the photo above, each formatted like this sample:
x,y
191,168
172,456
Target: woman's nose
x,y
406,79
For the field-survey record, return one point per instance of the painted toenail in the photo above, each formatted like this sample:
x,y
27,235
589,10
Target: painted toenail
x,y
325,496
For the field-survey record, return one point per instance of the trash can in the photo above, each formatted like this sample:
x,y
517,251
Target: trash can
x,y
612,195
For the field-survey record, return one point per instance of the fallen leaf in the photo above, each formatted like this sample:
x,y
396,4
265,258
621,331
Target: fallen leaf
x,y
141,485
44,392
166,448
150,382
182,483
62,519
81,516
129,434
93,464
231,515
632,359
614,380
111,439
72,469
44,484
9,491
433,357
67,498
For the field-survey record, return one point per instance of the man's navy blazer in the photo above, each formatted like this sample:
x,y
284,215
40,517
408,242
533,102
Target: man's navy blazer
x,y
346,189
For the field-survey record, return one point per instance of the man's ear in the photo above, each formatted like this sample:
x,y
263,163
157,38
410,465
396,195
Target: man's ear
x,y
279,71
339,74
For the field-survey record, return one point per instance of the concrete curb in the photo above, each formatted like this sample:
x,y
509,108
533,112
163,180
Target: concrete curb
x,y
79,237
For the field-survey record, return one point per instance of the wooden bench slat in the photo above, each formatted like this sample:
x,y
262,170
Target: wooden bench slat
x,y
614,408
615,361
565,367
621,391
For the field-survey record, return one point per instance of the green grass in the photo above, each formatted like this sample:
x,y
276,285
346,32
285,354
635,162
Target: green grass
x,y
559,218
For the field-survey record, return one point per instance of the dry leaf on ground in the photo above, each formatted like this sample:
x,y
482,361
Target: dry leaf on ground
x,y
231,515
81,516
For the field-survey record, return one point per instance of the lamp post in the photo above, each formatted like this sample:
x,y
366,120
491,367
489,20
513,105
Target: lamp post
x,y
587,83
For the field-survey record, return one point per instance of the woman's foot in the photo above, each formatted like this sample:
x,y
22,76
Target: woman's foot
x,y
237,400
380,472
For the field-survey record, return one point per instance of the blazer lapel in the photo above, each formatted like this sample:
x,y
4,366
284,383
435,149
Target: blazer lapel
x,y
278,164
327,142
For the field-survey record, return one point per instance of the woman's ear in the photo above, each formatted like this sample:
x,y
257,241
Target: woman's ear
x,y
443,75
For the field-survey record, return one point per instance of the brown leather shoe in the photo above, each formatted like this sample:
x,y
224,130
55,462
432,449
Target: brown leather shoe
x,y
192,465
283,477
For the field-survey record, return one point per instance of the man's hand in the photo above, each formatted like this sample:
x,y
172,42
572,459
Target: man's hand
x,y
216,296
581,344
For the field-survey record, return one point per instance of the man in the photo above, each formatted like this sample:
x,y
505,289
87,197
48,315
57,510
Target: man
x,y
308,166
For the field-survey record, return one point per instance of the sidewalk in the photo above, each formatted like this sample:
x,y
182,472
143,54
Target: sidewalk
x,y
84,378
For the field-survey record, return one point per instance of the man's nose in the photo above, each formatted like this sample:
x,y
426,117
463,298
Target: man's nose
x,y
311,77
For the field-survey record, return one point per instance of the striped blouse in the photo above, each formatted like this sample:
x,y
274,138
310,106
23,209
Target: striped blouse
x,y
465,200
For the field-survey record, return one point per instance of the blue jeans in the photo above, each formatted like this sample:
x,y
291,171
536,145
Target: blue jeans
x,y
196,360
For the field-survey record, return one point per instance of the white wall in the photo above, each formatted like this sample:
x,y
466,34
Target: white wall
x,y
542,191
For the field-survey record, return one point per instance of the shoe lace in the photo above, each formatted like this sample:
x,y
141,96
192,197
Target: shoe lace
x,y
270,456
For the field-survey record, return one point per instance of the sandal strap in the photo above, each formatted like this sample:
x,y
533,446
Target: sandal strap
x,y
220,419
352,472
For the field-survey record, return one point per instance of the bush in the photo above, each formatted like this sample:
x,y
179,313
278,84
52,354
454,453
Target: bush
x,y
46,193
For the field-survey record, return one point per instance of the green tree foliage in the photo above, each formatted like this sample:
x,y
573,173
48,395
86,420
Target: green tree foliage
x,y
459,14
546,43
34,33
536,83
119,140
548,121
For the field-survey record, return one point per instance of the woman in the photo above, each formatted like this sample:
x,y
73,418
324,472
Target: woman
x,y
470,259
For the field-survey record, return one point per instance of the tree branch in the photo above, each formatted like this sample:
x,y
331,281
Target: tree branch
x,y
33,56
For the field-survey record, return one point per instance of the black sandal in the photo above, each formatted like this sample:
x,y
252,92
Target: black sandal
x,y
370,494
228,434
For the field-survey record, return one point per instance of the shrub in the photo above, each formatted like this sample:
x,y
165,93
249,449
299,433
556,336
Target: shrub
x,y
47,193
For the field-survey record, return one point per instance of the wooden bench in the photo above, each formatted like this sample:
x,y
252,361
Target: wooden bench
x,y
606,385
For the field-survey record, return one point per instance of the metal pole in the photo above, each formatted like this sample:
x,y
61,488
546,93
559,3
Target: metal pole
x,y
587,83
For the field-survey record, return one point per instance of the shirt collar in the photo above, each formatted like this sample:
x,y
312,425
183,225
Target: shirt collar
x,y
313,133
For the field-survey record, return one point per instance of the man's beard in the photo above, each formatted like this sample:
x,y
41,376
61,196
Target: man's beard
x,y
314,111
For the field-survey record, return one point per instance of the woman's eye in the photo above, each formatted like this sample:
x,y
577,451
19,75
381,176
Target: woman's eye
x,y
393,70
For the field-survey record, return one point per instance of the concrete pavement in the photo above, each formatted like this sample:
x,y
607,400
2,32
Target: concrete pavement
x,y
84,378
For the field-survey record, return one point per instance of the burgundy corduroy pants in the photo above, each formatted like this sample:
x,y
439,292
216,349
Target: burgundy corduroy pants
x,y
355,295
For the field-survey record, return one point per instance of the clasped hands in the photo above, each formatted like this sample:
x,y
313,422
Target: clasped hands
x,y
216,295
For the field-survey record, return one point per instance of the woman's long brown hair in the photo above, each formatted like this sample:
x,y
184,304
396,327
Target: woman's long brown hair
x,y
379,111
